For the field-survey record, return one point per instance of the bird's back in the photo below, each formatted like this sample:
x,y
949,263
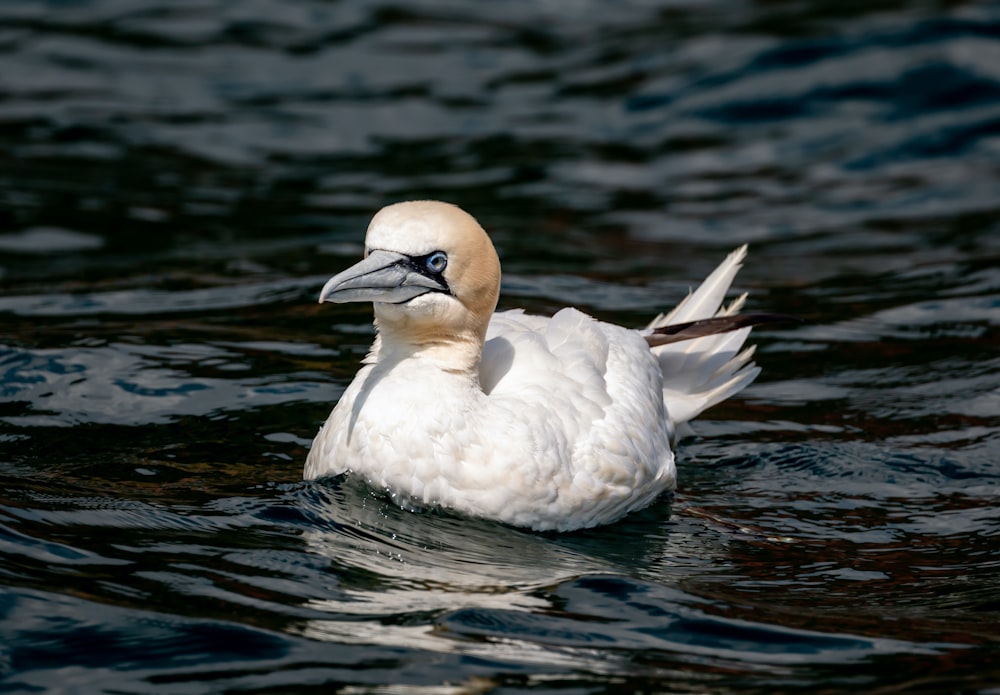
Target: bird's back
x,y
593,392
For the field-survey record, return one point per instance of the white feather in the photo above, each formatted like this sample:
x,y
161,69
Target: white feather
x,y
703,372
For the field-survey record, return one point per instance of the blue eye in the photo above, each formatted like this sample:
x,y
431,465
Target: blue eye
x,y
437,262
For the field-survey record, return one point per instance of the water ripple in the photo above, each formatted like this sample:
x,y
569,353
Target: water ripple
x,y
177,180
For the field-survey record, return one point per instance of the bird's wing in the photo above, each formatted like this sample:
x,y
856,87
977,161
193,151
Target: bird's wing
x,y
708,366
556,362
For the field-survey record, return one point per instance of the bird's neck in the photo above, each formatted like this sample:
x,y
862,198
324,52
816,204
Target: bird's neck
x,y
459,355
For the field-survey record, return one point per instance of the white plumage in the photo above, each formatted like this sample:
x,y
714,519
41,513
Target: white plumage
x,y
549,423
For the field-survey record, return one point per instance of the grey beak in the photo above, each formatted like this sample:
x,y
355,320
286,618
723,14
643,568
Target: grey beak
x,y
384,276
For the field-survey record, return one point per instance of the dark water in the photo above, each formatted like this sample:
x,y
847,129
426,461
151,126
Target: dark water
x,y
177,179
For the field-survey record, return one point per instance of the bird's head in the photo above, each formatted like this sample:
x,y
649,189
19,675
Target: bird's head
x,y
431,272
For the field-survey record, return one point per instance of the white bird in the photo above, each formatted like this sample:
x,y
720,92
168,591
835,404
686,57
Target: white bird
x,y
548,423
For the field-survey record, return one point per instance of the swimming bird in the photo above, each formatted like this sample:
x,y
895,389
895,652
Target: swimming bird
x,y
553,423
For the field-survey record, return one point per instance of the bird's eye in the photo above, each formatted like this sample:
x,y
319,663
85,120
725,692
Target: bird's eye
x,y
437,262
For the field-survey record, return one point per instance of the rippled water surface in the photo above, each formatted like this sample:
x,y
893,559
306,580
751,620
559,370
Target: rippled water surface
x,y
177,180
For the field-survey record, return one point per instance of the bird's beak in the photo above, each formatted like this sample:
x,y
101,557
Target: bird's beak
x,y
383,276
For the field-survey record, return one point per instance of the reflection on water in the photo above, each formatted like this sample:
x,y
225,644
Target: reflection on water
x,y
178,180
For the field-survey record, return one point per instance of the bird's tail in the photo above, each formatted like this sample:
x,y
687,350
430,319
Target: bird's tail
x,y
703,362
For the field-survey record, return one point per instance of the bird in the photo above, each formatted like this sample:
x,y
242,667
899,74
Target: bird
x,y
547,423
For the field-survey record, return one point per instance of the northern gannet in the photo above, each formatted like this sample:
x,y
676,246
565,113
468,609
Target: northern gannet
x,y
549,423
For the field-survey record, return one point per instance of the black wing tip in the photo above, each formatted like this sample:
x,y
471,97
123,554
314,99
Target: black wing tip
x,y
689,330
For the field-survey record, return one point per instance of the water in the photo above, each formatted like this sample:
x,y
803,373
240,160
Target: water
x,y
177,180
